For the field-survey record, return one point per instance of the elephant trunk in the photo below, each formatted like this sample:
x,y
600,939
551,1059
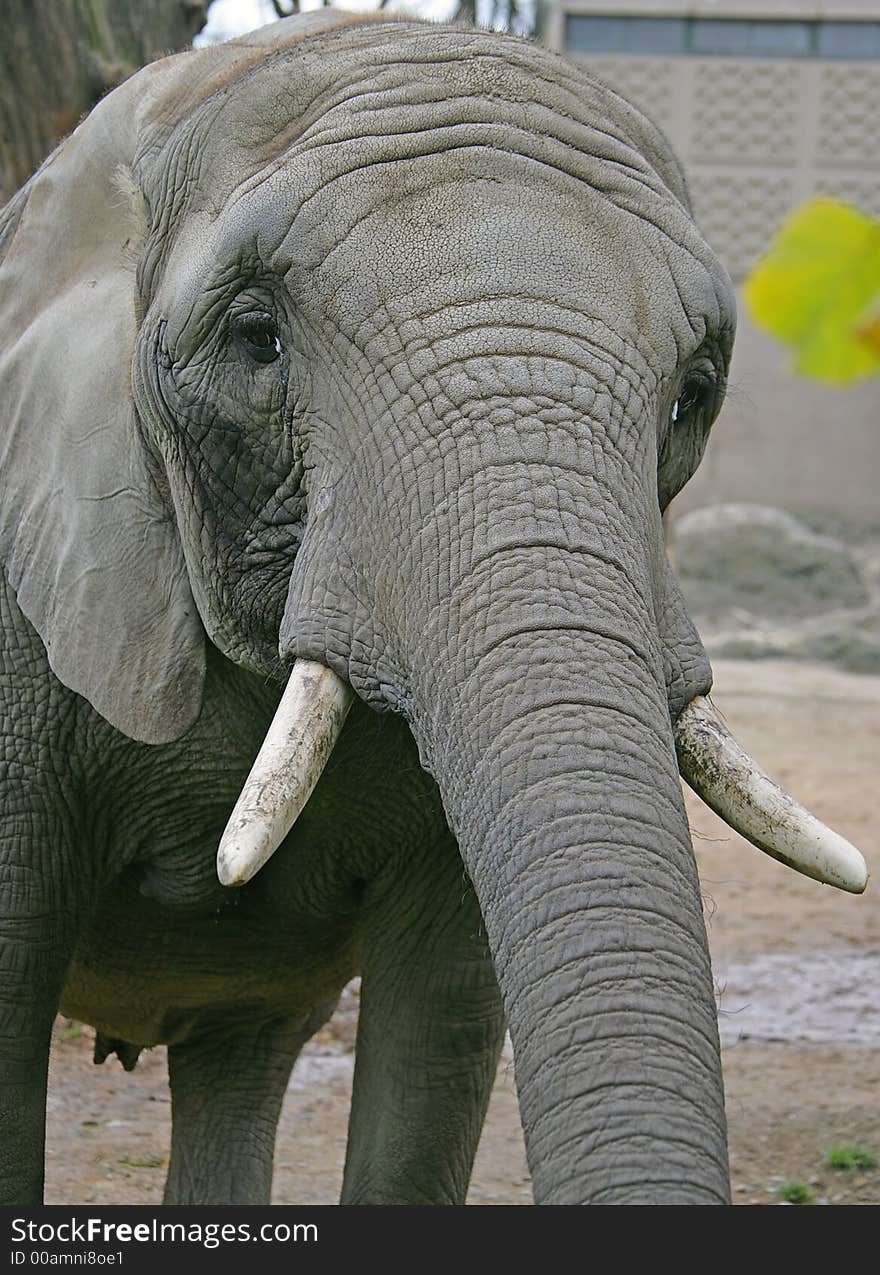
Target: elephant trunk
x,y
556,763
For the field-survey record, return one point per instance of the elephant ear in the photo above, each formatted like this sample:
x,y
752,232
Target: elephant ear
x,y
87,542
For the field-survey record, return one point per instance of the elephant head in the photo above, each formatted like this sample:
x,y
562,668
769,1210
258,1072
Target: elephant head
x,y
374,351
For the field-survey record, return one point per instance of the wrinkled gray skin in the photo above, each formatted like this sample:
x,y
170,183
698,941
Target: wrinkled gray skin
x,y
359,341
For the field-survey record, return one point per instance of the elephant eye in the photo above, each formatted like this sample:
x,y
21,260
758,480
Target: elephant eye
x,y
697,394
258,333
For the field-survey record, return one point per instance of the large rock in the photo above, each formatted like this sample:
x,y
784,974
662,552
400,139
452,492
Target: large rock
x,y
848,639
740,561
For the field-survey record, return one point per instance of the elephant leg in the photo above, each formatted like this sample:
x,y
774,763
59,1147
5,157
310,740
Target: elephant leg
x,y
23,1075
31,988
227,1088
41,906
429,1037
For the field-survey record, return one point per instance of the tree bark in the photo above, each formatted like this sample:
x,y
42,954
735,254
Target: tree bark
x,y
58,57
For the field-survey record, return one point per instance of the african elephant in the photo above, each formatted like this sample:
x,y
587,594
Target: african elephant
x,y
359,358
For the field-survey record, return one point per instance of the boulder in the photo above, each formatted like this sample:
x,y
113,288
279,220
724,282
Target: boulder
x,y
739,562
850,640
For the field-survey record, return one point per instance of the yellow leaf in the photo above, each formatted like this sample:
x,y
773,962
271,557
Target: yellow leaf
x,y
815,282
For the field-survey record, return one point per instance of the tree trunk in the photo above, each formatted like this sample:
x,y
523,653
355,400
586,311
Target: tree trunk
x,y
58,57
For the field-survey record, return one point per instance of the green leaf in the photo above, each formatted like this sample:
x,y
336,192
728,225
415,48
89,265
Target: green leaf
x,y
817,287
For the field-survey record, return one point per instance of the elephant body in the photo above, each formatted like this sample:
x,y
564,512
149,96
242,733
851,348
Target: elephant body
x,y
236,983
377,346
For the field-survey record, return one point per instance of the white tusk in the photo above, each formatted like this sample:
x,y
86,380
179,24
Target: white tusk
x,y
296,749
737,789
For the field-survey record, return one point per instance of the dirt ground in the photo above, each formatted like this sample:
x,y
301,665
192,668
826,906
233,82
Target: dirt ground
x,y
797,969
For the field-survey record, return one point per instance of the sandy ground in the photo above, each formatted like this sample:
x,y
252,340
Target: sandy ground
x,y
797,968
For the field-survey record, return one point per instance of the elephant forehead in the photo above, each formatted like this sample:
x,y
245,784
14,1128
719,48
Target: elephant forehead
x,y
478,227
367,96
507,244
389,75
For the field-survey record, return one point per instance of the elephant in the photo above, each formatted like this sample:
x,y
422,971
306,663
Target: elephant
x,y
348,369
